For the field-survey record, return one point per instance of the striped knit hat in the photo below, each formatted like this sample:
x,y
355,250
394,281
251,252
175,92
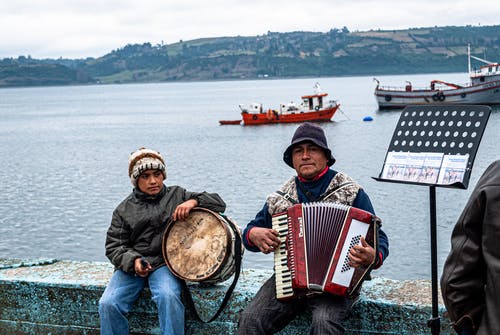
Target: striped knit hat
x,y
142,160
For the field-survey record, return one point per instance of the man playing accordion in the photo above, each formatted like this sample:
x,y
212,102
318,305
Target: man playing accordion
x,y
315,182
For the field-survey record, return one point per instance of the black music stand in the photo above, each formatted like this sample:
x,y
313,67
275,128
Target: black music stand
x,y
435,145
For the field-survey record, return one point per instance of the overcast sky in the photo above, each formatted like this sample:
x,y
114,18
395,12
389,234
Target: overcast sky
x,y
93,28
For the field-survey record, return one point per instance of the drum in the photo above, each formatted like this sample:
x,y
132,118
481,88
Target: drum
x,y
202,247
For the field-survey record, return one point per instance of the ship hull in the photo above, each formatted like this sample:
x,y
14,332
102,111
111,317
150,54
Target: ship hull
x,y
270,117
487,94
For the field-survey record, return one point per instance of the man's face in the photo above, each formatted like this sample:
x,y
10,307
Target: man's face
x,y
150,182
308,160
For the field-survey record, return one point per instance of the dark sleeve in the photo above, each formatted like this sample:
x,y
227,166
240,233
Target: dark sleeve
x,y
117,244
463,278
363,202
264,220
211,201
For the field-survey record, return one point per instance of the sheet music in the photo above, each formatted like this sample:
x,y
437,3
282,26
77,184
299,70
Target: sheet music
x,y
453,169
425,167
413,166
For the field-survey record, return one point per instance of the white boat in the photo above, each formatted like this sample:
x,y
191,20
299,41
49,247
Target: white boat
x,y
483,89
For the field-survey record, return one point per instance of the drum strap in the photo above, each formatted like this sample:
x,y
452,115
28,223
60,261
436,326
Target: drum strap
x,y
237,264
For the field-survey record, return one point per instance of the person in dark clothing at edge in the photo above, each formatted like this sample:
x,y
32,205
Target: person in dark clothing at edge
x,y
311,158
469,283
134,245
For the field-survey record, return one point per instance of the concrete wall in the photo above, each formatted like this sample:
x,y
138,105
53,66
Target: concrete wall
x,y
61,297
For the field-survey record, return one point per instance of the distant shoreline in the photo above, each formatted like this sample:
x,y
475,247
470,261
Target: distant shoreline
x,y
336,53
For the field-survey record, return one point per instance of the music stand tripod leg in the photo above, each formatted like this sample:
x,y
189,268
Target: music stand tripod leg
x,y
434,322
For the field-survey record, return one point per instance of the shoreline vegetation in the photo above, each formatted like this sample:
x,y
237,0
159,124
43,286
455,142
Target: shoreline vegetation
x,y
274,55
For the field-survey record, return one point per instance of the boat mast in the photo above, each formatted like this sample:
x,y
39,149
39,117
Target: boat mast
x,y
317,88
477,58
468,55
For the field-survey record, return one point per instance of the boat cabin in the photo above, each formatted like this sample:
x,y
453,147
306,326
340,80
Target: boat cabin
x,y
486,73
254,107
314,101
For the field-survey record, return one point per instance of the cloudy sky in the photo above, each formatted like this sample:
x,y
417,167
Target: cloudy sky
x,y
92,28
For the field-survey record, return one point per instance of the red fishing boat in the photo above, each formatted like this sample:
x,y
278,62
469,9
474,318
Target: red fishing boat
x,y
313,107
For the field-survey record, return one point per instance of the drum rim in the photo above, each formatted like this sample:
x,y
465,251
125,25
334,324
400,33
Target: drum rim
x,y
171,223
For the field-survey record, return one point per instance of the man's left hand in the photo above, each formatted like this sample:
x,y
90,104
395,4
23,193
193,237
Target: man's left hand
x,y
361,255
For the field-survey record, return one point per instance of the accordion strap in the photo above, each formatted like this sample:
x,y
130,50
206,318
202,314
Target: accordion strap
x,y
288,197
335,189
325,195
310,196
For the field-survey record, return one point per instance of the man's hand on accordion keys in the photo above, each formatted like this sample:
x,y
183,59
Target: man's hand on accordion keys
x,y
265,239
361,255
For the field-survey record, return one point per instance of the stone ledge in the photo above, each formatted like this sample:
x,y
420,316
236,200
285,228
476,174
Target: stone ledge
x,y
61,297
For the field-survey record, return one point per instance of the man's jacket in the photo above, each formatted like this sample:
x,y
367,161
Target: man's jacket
x,y
470,282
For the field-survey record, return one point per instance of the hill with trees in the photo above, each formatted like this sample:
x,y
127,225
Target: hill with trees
x,y
337,52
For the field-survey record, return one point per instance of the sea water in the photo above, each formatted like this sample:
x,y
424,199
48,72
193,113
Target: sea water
x,y
64,151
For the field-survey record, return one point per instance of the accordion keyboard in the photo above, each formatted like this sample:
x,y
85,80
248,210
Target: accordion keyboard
x,y
283,275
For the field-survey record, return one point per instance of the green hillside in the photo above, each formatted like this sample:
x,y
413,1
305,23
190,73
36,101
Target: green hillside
x,y
337,52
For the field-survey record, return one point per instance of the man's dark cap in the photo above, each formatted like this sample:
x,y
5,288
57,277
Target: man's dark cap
x,y
308,132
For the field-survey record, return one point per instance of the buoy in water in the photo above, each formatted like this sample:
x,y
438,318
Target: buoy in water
x,y
367,118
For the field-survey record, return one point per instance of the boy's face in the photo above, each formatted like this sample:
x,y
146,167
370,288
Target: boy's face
x,y
150,182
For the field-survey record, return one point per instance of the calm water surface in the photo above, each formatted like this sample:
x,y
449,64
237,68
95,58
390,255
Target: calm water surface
x,y
64,160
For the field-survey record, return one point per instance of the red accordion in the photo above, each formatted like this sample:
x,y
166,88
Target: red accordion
x,y
316,239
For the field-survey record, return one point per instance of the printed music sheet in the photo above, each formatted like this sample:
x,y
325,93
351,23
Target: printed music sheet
x,y
415,167
453,169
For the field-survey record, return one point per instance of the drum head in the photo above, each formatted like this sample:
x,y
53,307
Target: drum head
x,y
195,248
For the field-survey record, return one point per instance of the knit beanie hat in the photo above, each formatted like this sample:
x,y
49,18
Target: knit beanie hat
x,y
308,132
144,159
